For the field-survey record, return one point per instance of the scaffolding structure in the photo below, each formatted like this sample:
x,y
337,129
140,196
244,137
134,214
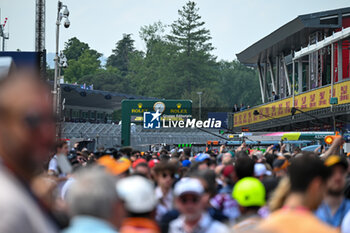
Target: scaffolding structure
x,y
40,25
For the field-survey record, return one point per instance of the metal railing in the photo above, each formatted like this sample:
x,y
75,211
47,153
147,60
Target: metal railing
x,y
109,135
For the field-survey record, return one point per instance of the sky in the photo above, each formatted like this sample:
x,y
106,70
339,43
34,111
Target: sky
x,y
234,24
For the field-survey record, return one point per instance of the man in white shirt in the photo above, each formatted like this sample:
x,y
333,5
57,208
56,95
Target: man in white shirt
x,y
191,202
61,148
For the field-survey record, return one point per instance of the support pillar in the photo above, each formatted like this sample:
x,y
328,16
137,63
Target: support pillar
x,y
265,82
286,75
293,78
277,75
340,61
272,76
300,76
261,83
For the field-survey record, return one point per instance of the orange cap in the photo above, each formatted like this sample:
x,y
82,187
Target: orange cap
x,y
114,167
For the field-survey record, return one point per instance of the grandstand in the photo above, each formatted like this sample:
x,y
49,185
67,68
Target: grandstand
x,y
94,106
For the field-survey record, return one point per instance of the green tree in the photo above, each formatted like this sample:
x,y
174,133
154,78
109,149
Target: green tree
x,y
239,84
74,48
153,73
87,63
81,59
188,32
110,79
195,66
152,34
122,53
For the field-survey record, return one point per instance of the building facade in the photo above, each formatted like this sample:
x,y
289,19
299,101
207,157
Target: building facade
x,y
306,63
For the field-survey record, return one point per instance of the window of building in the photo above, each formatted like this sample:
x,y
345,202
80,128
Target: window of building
x,y
334,19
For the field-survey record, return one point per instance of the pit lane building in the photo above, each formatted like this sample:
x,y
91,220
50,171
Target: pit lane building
x,y
306,62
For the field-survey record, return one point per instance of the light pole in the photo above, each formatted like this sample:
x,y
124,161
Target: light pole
x,y
62,61
200,104
62,12
62,64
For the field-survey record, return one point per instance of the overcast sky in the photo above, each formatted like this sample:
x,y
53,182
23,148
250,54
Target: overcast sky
x,y
234,24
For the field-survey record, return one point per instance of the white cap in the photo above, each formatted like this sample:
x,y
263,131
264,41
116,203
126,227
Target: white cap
x,y
188,185
138,194
260,170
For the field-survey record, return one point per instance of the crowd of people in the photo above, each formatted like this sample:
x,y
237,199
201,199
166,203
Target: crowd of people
x,y
48,187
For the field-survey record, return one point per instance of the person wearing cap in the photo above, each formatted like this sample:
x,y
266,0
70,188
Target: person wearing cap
x,y
151,164
260,171
191,203
203,161
139,202
249,192
165,176
140,166
184,169
280,166
306,187
118,168
186,163
335,206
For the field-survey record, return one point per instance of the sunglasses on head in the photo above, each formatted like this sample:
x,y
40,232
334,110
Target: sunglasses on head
x,y
189,198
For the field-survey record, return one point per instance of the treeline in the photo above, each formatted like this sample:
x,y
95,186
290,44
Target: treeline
x,y
175,65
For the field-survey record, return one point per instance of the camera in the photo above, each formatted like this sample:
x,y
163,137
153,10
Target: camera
x,y
64,65
66,23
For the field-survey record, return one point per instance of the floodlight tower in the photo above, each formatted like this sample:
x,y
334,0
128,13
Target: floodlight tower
x,y
40,26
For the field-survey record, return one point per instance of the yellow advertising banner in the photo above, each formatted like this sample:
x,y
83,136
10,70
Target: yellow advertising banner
x,y
306,102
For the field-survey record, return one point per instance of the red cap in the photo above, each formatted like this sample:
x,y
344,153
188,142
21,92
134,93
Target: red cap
x,y
152,163
137,162
228,170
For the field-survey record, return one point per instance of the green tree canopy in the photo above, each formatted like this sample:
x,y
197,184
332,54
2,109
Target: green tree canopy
x,y
109,79
188,33
74,48
122,54
239,84
81,59
87,64
194,65
152,34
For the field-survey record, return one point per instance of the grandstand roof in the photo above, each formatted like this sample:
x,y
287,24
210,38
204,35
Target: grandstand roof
x,y
74,95
293,35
